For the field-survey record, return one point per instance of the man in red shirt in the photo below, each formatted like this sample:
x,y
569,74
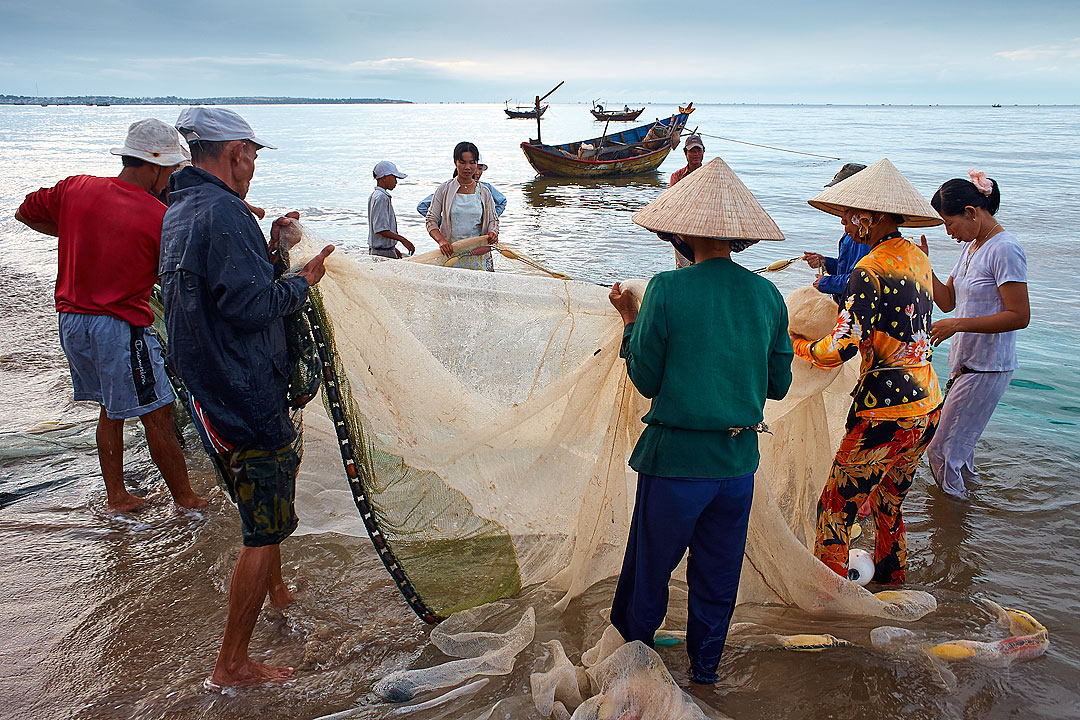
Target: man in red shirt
x,y
694,149
109,232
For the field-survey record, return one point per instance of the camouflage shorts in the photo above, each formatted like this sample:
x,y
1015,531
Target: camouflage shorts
x,y
262,483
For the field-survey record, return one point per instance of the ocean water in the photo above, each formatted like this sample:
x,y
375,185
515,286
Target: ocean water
x,y
111,617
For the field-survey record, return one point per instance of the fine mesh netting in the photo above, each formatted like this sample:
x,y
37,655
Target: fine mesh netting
x,y
492,421
483,423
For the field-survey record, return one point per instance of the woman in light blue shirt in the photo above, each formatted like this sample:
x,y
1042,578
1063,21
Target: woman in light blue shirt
x,y
987,289
463,208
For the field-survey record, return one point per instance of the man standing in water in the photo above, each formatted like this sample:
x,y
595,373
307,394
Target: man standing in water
x,y
708,345
223,309
694,149
109,232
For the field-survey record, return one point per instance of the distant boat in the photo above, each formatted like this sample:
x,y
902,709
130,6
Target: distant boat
x,y
524,111
600,113
638,150
995,105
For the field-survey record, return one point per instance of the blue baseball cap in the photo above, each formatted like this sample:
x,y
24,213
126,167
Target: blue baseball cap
x,y
216,124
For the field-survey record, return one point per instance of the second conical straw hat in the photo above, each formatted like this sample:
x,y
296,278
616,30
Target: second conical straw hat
x,y
709,202
880,187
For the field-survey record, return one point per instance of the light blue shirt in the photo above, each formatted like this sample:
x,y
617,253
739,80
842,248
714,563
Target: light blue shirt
x,y
467,216
498,197
976,279
381,217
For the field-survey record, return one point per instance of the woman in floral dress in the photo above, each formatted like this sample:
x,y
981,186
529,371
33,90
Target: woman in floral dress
x,y
885,317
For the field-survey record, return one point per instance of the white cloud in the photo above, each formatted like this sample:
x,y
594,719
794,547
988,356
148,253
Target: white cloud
x,y
1044,53
383,66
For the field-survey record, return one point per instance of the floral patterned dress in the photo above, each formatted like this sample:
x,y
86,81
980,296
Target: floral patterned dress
x,y
886,319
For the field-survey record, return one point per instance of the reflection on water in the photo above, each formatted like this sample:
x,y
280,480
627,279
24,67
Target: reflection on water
x,y
107,617
617,193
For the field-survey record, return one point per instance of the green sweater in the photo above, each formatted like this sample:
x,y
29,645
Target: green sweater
x,y
710,344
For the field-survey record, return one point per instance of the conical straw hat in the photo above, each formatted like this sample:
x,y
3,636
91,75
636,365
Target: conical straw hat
x,y
709,202
881,188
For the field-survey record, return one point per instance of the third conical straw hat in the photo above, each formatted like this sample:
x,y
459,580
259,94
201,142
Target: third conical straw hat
x,y
880,187
709,202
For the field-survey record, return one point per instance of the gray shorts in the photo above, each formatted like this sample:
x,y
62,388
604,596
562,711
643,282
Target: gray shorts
x,y
115,364
390,252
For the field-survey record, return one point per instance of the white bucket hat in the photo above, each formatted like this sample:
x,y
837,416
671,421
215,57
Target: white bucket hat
x,y
153,141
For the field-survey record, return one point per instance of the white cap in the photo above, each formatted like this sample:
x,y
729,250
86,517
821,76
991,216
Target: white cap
x,y
385,167
216,124
153,141
480,162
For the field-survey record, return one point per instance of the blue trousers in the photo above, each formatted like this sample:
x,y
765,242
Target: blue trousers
x,y
671,515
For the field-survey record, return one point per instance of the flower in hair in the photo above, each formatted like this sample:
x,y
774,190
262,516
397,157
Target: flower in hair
x,y
979,180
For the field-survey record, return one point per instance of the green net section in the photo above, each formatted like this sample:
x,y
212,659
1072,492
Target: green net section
x,y
452,558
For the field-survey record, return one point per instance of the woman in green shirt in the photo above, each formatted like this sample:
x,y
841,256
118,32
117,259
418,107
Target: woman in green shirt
x,y
708,346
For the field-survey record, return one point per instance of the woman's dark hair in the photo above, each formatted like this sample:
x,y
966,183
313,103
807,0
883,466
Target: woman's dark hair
x,y
465,147
957,194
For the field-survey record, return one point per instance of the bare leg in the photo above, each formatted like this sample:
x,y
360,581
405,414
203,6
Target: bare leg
x,y
279,592
247,590
110,447
167,455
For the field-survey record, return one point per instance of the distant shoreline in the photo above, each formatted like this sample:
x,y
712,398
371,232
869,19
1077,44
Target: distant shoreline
x,y
106,100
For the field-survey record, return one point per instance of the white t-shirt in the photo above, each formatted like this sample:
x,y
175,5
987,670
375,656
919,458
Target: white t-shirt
x,y
976,279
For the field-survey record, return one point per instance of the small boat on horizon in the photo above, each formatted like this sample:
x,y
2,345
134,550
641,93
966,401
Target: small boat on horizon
x,y
524,111
637,150
624,115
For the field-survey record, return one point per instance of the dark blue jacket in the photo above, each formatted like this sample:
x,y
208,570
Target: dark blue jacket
x,y
223,311
839,268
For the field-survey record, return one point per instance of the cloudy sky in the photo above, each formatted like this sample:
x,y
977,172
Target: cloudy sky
x,y
782,51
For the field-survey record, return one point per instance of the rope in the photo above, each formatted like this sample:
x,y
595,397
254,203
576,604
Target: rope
x,y
769,147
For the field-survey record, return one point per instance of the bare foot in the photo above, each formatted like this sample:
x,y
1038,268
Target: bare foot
x,y
280,596
191,501
126,503
250,673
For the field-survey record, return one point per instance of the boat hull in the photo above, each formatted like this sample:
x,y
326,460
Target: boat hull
x,y
565,160
549,163
617,116
523,114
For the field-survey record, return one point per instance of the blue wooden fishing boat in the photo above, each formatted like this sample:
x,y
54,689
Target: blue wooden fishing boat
x,y
637,150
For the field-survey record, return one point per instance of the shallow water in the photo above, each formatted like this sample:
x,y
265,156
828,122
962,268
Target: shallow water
x,y
110,617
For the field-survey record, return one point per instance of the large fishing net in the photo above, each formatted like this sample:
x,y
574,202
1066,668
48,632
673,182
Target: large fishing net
x,y
484,420
491,421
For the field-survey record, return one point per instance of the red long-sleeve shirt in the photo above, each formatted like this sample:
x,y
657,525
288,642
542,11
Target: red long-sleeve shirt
x,y
110,236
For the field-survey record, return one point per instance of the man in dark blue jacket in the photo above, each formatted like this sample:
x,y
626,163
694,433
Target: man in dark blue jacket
x,y
223,313
850,252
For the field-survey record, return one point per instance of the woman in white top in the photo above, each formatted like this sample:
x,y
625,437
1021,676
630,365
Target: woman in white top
x,y
463,208
988,291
